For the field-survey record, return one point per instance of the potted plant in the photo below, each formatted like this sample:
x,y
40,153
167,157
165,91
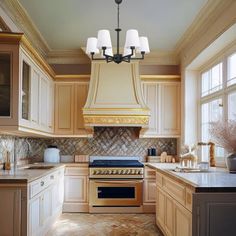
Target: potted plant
x,y
223,134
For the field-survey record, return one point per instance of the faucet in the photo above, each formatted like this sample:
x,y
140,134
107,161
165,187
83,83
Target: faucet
x,y
211,152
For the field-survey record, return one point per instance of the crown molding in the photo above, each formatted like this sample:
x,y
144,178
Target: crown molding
x,y
22,20
76,56
3,26
201,25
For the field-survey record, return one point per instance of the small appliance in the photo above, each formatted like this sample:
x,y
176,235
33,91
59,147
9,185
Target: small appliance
x,y
51,154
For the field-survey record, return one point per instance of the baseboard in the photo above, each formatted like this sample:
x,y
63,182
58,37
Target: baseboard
x,y
149,208
75,207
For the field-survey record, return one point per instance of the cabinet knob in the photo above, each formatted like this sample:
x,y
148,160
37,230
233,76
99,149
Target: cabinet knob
x,y
42,183
52,177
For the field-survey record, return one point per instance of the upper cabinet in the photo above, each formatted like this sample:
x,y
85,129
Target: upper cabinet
x,y
26,88
70,98
163,100
9,82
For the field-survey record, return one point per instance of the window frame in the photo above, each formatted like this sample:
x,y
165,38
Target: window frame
x,y
222,93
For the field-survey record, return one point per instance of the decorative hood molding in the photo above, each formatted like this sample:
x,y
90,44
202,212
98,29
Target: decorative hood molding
x,y
115,97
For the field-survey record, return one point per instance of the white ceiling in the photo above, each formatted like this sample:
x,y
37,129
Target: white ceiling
x,y
66,24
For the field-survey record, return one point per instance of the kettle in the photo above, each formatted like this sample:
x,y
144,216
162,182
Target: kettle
x,y
51,154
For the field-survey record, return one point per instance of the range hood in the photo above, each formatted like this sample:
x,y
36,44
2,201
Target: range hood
x,y
115,97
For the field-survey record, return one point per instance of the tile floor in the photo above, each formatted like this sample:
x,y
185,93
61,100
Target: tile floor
x,y
82,224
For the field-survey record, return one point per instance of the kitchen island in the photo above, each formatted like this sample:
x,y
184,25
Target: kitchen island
x,y
31,198
200,203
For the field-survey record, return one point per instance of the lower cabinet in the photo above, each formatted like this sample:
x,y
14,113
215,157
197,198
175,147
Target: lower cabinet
x,y
173,206
76,189
172,217
45,203
149,190
10,204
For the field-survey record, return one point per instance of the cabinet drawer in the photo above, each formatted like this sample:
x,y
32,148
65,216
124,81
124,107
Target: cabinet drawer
x,y
149,173
36,187
159,179
175,189
76,171
39,185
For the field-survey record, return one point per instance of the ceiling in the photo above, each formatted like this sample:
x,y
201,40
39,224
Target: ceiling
x,y
66,25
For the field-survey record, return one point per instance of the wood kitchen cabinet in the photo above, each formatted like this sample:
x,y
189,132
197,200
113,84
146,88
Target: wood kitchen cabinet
x,y
44,202
69,101
173,207
163,100
76,188
149,190
9,82
36,96
31,208
25,88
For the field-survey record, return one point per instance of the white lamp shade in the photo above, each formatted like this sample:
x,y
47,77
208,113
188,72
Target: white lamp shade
x,y
108,52
128,51
144,45
132,39
104,39
91,46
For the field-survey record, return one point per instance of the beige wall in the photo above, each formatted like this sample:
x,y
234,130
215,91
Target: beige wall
x,y
214,26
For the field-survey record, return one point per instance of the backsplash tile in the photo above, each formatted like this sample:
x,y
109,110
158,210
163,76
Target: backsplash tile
x,y
118,141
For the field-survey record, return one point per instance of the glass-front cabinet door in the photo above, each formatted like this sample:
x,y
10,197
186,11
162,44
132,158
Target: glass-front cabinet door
x,y
5,84
25,93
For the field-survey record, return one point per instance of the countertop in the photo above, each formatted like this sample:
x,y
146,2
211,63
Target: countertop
x,y
215,180
23,175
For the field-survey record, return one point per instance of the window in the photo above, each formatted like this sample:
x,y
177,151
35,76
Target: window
x,y
212,80
231,70
217,100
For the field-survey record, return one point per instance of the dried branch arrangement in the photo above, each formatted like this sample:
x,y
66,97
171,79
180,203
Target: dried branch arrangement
x,y
223,134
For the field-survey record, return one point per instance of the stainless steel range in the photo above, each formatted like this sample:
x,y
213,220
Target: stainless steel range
x,y
115,181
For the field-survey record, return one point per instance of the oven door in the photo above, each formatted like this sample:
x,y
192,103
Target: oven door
x,y
115,192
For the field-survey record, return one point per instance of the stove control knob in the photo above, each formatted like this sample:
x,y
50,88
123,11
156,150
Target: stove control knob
x,y
109,172
136,172
114,172
94,172
119,172
132,172
127,172
97,172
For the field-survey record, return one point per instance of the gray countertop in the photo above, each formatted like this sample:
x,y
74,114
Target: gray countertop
x,y
24,175
215,180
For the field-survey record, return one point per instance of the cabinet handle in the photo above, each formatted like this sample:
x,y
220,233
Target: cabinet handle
x,y
42,183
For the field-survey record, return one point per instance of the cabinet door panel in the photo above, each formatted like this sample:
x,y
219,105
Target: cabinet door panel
x,y
46,205
34,216
149,190
44,87
160,208
169,219
170,109
10,217
183,221
64,110
35,96
81,92
150,92
76,189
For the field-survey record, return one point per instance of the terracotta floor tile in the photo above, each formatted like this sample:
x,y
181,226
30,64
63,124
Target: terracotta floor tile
x,y
82,224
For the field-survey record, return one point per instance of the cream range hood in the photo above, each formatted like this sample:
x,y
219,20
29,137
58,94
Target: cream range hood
x,y
115,97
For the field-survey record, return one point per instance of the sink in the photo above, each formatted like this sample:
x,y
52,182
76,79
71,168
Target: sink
x,y
39,167
190,170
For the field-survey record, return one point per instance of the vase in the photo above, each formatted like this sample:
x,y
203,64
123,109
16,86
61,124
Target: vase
x,y
231,163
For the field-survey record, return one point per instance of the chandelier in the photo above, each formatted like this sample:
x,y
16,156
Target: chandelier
x,y
102,44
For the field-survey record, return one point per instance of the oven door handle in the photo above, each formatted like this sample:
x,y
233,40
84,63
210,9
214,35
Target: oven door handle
x,y
118,182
